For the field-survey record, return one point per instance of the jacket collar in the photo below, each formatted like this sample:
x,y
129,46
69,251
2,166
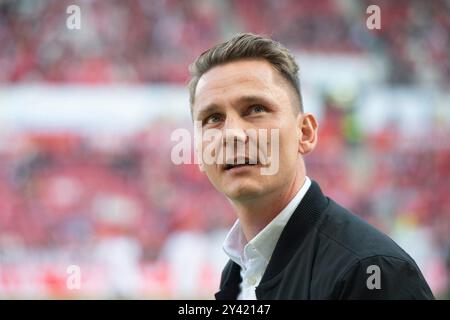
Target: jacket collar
x,y
229,287
239,250
301,222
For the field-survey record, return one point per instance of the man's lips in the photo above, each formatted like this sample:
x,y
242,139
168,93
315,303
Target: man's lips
x,y
230,165
235,166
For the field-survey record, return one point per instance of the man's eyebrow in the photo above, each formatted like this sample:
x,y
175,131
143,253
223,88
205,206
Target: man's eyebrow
x,y
251,99
206,110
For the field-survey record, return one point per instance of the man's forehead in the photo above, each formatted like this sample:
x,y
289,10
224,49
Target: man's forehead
x,y
257,72
241,78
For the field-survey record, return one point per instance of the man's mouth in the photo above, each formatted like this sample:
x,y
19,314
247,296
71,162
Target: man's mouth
x,y
234,165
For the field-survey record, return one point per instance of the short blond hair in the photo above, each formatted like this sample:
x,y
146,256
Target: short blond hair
x,y
246,46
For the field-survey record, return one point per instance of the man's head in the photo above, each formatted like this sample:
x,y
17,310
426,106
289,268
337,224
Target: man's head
x,y
247,46
250,83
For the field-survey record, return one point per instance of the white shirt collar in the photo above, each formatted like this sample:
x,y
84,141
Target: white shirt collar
x,y
263,244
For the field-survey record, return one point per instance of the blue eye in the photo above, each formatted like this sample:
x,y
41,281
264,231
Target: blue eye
x,y
258,109
214,118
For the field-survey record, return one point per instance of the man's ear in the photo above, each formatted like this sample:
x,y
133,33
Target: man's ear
x,y
307,133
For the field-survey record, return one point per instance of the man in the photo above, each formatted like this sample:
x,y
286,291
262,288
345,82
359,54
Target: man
x,y
290,241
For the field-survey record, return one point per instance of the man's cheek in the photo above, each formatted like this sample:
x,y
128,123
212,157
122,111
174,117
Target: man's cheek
x,y
274,154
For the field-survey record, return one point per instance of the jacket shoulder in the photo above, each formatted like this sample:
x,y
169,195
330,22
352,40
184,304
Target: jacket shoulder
x,y
354,250
352,236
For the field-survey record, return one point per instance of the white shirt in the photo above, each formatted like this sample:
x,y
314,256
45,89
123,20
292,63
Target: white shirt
x,y
254,256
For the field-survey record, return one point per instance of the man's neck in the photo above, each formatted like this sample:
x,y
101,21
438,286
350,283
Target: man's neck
x,y
257,213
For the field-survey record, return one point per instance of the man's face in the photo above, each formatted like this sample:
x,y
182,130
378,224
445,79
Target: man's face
x,y
244,96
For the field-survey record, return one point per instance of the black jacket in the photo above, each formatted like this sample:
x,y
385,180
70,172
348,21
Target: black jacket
x,y
326,252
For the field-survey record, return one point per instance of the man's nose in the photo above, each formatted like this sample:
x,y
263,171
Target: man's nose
x,y
234,132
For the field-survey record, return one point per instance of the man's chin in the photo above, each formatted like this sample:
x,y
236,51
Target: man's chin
x,y
243,192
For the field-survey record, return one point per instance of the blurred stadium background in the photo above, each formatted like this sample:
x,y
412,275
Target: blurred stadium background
x,y
86,118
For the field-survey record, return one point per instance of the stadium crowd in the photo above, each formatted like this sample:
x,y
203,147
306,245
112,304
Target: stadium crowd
x,y
66,190
154,41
